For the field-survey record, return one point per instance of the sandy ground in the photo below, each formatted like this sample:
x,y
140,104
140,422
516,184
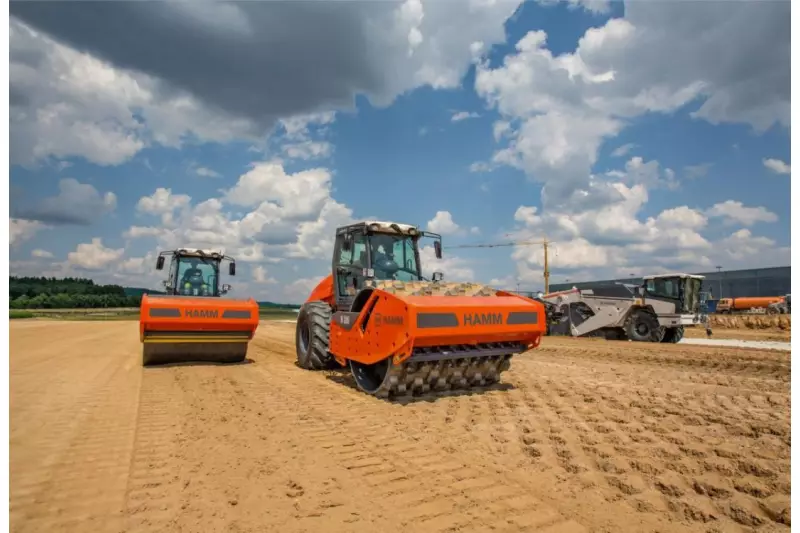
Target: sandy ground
x,y
774,335
737,343
582,435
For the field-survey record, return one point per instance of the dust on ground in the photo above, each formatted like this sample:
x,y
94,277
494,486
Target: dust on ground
x,y
581,435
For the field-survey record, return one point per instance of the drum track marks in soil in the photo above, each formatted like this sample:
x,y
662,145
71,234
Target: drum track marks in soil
x,y
72,437
152,494
646,430
693,455
424,487
579,436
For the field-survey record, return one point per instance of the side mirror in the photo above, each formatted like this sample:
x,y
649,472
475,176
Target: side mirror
x,y
438,276
437,247
226,288
160,262
232,269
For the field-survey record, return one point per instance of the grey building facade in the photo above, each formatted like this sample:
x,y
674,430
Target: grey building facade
x,y
772,281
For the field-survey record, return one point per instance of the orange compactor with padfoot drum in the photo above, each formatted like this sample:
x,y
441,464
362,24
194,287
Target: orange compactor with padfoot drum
x,y
191,322
401,334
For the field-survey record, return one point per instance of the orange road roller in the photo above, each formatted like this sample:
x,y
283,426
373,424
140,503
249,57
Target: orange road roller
x,y
192,323
401,334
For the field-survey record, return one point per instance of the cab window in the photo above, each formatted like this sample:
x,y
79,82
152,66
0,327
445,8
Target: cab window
x,y
665,288
357,254
404,257
196,276
360,251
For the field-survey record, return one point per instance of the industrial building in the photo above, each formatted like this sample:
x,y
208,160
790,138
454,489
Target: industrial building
x,y
772,281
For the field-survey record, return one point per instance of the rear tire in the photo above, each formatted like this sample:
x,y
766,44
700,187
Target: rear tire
x,y
312,337
643,326
673,335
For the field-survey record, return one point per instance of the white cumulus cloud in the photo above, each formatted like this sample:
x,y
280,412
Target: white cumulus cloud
x,y
777,166
463,115
734,212
651,61
21,230
94,255
41,254
443,224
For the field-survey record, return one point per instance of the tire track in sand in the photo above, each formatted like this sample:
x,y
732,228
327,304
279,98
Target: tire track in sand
x,y
435,489
659,452
152,493
69,456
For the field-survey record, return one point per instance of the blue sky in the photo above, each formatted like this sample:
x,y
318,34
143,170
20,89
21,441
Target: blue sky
x,y
629,134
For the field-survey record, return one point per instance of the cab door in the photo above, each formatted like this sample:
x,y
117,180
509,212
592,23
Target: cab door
x,y
351,259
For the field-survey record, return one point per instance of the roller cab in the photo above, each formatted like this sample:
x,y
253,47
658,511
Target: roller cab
x,y
192,322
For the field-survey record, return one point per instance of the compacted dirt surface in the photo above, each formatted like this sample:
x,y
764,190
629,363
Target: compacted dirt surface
x,y
581,435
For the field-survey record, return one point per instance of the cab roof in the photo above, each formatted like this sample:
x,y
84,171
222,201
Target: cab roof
x,y
382,225
674,275
189,252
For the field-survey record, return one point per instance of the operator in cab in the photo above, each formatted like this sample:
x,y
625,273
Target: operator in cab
x,y
193,282
382,251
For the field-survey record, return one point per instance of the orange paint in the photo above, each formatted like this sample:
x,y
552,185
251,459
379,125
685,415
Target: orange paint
x,y
392,329
188,314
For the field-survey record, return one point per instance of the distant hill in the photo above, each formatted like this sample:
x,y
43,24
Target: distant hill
x,y
273,305
138,291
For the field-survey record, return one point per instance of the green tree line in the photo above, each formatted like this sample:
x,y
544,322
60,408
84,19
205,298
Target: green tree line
x,y
66,293
81,293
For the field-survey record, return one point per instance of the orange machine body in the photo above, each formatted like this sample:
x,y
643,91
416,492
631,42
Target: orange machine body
x,y
397,326
188,318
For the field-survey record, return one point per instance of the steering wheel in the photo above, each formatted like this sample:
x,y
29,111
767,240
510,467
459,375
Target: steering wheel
x,y
386,265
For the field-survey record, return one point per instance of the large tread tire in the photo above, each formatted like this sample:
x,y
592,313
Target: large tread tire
x,y
673,335
312,337
643,326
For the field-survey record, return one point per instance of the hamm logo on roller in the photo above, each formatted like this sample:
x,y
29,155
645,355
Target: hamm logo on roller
x,y
483,319
201,313
389,320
